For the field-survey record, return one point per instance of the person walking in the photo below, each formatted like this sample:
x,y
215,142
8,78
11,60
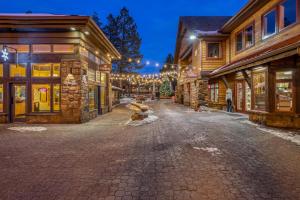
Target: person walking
x,y
229,100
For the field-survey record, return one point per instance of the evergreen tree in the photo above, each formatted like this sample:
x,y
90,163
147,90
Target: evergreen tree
x,y
168,63
165,89
96,18
28,12
122,32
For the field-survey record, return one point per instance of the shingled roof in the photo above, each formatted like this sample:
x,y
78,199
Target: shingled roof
x,y
204,23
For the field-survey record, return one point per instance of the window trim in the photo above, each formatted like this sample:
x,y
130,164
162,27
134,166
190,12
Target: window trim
x,y
276,7
253,35
243,31
220,50
236,36
214,88
293,89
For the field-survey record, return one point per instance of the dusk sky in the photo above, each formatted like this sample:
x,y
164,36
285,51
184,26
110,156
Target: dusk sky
x,y
157,20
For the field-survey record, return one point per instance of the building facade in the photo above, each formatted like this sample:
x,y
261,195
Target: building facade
x,y
260,63
197,57
264,66
53,69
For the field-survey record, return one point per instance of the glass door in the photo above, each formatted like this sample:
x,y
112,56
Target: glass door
x,y
18,104
239,96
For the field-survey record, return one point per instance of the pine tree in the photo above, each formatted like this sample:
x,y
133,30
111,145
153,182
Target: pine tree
x,y
122,32
165,89
168,63
96,18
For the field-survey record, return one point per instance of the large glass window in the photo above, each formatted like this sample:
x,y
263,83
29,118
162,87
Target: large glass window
x,y
56,97
214,92
41,48
103,79
93,98
103,96
240,96
41,70
17,70
284,91
214,50
249,36
288,12
1,70
239,41
248,97
269,23
1,97
91,75
259,87
21,48
56,70
63,48
41,98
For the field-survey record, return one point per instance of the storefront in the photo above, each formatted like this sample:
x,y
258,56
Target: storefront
x,y
48,77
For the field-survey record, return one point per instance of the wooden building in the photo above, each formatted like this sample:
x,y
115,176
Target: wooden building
x,y
199,50
263,65
53,69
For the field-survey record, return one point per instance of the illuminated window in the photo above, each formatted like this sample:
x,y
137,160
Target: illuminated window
x,y
63,48
214,50
1,97
103,79
249,36
259,85
56,70
93,97
248,97
21,48
214,92
103,96
1,70
41,97
98,76
41,48
269,23
17,71
284,91
56,97
41,70
288,13
91,75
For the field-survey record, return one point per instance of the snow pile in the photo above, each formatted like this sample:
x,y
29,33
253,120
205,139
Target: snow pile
x,y
28,129
213,151
149,112
249,122
284,135
148,120
126,100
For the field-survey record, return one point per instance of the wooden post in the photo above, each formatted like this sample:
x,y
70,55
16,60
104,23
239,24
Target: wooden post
x,y
247,78
225,82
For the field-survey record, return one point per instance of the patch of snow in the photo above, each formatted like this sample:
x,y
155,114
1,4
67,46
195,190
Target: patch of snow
x,y
213,151
148,120
28,129
249,122
149,112
126,100
283,135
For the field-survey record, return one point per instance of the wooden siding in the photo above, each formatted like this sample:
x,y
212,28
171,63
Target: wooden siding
x,y
209,64
261,44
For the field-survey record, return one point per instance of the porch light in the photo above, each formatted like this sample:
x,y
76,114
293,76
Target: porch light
x,y
4,54
73,29
193,37
86,32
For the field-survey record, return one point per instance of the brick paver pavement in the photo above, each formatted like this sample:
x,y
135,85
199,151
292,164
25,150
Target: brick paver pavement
x,y
181,156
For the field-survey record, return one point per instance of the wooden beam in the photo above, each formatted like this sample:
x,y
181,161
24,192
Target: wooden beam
x,y
225,82
247,78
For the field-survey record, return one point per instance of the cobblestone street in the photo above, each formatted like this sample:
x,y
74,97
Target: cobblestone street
x,y
183,155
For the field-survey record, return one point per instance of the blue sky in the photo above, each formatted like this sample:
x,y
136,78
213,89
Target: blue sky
x,y
157,20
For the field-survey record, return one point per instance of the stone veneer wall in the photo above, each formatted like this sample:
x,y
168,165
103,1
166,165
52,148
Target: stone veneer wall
x,y
74,92
194,101
186,95
3,118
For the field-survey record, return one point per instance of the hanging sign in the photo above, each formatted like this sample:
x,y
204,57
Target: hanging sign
x,y
105,67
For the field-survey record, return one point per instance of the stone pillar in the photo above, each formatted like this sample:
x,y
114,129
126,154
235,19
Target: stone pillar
x,y
71,93
186,94
202,92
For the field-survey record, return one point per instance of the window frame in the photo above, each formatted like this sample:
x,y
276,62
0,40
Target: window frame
x,y
51,97
292,81
279,16
214,87
220,50
236,43
51,71
253,99
253,35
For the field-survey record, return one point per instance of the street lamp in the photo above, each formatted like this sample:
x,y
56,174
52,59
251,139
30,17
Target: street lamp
x,y
193,37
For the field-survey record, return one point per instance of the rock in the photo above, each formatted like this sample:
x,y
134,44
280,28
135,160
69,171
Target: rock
x,y
139,116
